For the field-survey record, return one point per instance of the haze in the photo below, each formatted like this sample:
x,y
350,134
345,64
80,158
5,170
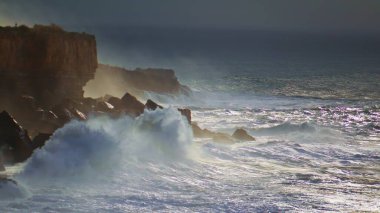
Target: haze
x,y
358,16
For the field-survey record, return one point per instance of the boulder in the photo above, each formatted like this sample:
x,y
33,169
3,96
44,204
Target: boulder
x,y
186,113
151,105
131,105
242,135
14,140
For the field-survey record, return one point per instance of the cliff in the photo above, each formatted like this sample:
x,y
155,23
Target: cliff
x,y
45,62
116,81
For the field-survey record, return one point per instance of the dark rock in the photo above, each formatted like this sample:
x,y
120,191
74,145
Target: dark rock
x,y
40,140
63,114
242,135
186,113
151,105
116,102
131,105
216,136
14,140
46,63
104,106
2,167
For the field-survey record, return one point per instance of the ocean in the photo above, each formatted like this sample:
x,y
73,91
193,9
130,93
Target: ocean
x,y
313,105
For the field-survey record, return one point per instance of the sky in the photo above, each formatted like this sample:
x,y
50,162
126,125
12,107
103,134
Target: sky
x,y
359,16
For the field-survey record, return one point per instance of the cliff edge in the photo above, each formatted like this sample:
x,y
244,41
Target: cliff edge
x,y
45,62
116,81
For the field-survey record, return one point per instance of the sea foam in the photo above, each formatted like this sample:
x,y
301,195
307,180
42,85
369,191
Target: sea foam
x,y
101,143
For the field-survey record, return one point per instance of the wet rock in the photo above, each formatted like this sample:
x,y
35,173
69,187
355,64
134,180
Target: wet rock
x,y
116,102
151,105
104,106
40,140
186,113
242,135
14,140
216,136
131,105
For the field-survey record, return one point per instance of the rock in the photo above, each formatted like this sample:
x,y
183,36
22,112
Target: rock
x,y
14,140
151,105
116,102
242,135
186,113
131,105
46,63
104,106
40,140
216,136
114,80
63,114
2,167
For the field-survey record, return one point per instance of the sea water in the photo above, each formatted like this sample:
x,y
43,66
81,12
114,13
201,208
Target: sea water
x,y
316,121
309,155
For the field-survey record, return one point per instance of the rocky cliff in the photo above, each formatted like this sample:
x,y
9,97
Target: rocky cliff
x,y
116,81
45,62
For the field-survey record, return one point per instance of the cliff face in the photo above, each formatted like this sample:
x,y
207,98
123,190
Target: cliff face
x,y
45,62
116,81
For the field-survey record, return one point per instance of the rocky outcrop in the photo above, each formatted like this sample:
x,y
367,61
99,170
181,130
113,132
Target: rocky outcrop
x,y
151,105
242,135
15,142
115,81
216,136
45,62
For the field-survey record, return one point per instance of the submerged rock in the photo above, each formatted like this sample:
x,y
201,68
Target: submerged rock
x,y
242,135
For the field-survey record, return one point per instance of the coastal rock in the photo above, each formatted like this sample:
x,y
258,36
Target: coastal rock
x,y
40,140
216,136
2,167
151,105
14,140
186,113
114,80
45,62
242,135
104,106
131,105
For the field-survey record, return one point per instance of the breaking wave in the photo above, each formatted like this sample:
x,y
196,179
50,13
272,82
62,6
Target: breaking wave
x,y
84,147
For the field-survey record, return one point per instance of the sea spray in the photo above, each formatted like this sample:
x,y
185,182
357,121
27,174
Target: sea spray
x,y
102,143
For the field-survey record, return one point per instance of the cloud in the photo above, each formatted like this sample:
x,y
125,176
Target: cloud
x,y
316,15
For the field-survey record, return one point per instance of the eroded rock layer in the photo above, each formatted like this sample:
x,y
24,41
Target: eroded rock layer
x,y
45,62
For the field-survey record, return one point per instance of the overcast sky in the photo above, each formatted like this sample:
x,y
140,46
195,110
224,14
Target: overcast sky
x,y
289,15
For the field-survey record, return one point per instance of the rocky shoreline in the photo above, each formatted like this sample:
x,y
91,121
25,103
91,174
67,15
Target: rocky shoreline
x,y
42,74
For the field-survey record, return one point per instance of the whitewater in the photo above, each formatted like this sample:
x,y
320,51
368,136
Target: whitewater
x,y
310,155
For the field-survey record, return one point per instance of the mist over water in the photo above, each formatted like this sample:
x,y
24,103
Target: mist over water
x,y
313,106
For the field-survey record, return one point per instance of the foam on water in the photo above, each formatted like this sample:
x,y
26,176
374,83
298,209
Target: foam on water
x,y
302,161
